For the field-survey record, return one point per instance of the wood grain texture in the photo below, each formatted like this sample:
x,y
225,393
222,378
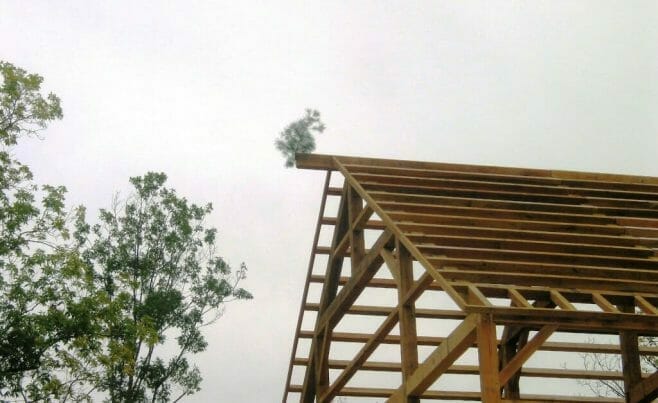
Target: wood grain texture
x,y
530,250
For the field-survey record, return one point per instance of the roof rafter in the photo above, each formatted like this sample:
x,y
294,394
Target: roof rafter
x,y
530,250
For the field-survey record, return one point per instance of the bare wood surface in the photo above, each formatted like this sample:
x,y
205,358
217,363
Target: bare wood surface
x,y
407,309
440,359
570,347
470,396
557,373
526,351
327,162
645,391
585,243
490,380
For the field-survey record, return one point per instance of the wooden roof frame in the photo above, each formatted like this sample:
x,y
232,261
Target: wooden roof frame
x,y
547,241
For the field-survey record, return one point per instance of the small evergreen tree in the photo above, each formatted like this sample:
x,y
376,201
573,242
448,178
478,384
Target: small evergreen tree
x,y
298,137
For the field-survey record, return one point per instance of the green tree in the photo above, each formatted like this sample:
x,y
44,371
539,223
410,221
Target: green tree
x,y
23,109
43,307
85,309
156,268
298,136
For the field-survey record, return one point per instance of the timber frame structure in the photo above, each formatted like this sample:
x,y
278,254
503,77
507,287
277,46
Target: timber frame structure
x,y
520,255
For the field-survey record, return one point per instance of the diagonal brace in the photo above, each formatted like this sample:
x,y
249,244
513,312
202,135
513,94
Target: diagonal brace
x,y
528,349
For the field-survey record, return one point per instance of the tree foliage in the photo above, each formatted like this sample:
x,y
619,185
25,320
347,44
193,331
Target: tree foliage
x,y
113,309
41,306
23,109
298,136
158,275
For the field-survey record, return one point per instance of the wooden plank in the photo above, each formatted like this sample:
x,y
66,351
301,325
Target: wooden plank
x,y
370,310
442,358
614,212
515,261
467,184
357,241
478,192
525,193
371,224
526,351
561,301
630,357
530,279
475,296
512,340
488,360
493,222
472,252
594,348
502,213
557,373
576,247
326,162
468,396
314,161
642,279
505,178
537,274
408,335
518,299
538,293
501,291
402,171
390,224
645,305
584,321
608,196
603,303
524,187
536,235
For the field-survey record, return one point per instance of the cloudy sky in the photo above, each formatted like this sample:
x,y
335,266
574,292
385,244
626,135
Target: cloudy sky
x,y
200,89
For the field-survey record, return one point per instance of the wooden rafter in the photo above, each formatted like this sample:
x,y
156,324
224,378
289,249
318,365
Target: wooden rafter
x,y
566,252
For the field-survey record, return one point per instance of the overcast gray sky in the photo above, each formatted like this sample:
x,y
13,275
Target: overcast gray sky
x,y
200,89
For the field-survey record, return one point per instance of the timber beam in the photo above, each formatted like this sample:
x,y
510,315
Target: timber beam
x,y
531,251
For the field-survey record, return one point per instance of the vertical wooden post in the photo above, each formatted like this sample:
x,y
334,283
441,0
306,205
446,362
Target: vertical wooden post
x,y
357,240
630,356
408,335
488,357
512,340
